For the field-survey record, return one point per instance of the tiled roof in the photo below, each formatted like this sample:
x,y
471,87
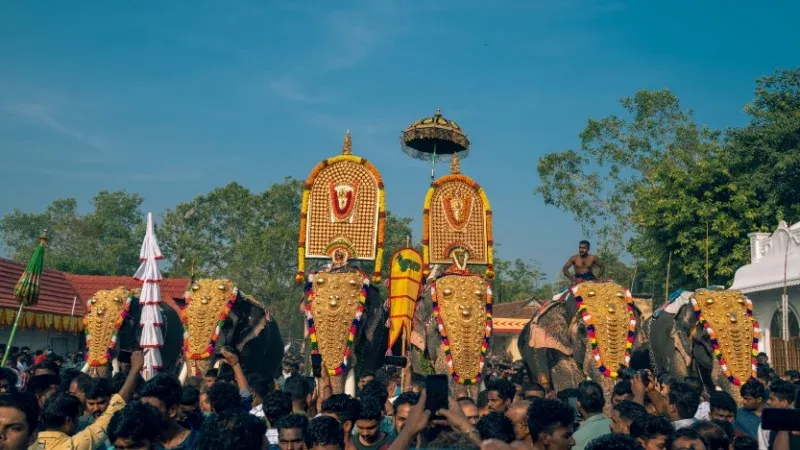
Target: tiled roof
x,y
521,309
88,285
56,294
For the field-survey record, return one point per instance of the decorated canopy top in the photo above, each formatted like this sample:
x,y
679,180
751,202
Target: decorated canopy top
x,y
343,212
435,135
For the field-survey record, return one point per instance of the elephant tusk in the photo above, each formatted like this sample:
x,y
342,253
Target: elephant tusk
x,y
85,368
184,373
350,383
114,366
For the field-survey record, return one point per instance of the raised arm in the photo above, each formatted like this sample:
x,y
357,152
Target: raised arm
x,y
565,270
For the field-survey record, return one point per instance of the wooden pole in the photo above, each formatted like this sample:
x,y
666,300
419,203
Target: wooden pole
x,y
11,337
707,282
633,277
666,287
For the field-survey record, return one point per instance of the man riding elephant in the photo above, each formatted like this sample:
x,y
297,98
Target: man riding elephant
x,y
582,265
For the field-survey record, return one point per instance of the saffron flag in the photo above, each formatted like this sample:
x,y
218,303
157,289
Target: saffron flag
x,y
405,286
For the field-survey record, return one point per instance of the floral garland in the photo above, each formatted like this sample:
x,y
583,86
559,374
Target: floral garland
x,y
301,247
590,330
426,222
351,335
446,341
234,295
715,343
112,344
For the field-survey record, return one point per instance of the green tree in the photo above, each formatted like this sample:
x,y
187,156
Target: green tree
x,y
516,280
105,241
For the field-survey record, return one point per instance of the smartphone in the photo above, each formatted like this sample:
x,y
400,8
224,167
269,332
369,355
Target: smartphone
x,y
316,365
399,361
645,376
436,391
124,357
777,419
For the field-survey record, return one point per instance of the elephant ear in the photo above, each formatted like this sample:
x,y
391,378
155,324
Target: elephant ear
x,y
550,328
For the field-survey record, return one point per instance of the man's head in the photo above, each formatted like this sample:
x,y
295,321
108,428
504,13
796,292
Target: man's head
x,y
366,377
19,415
163,391
276,405
745,443
686,439
190,402
43,386
590,400
651,431
260,387
550,424
97,396
291,432
752,394
60,413
8,380
46,367
223,397
290,369
469,409
496,426
234,429
402,406
762,358
324,433
533,390
713,435
483,403
300,390
623,414
375,389
518,414
136,426
583,248
622,392
614,442
500,395
683,401
721,406
782,395
79,385
369,420
210,378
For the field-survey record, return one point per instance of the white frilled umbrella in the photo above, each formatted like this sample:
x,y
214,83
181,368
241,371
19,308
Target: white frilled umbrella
x,y
151,320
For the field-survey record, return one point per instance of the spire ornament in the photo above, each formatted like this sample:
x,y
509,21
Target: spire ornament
x,y
347,147
455,166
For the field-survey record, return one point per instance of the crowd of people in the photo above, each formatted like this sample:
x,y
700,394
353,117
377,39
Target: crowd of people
x,y
47,403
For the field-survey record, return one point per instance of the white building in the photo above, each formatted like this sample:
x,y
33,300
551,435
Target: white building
x,y
762,281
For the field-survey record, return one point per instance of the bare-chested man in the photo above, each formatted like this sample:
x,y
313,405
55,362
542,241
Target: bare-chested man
x,y
582,264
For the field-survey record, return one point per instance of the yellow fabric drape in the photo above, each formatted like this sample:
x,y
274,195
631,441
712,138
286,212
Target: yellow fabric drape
x,y
405,283
41,320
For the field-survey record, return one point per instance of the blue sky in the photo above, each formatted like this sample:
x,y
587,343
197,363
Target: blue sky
x,y
172,99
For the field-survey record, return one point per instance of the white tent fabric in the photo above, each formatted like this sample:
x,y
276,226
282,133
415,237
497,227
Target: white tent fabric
x,y
151,319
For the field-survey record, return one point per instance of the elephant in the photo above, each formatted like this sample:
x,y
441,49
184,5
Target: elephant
x,y
590,331
708,333
112,324
346,325
218,315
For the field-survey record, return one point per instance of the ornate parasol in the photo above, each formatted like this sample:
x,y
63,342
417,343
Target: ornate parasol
x,y
26,290
434,136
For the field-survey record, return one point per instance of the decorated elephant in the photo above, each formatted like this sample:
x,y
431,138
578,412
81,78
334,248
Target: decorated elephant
x,y
589,331
217,314
710,333
346,322
112,324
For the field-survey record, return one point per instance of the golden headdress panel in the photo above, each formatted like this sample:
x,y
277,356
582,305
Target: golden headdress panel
x,y
457,217
343,212
208,304
727,318
105,312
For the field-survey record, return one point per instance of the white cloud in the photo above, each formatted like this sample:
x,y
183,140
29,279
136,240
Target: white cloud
x,y
44,116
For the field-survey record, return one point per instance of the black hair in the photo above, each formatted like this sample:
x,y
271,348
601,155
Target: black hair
x,y
276,405
298,387
83,381
66,377
504,388
586,243
406,398
752,389
98,388
8,374
721,400
647,427
366,373
57,409
545,415
483,399
665,378
24,403
190,395
696,383
453,439
119,378
371,409
745,442
465,400
223,397
40,384
211,373
629,410
763,371
684,398
686,433
614,442
623,387
713,435
233,429
48,364
345,407
565,394
164,387
533,387
783,390
590,396
496,425
375,389
261,386
727,427
138,422
292,421
324,430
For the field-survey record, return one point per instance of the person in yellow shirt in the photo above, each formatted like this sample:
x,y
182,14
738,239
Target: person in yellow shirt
x,y
59,418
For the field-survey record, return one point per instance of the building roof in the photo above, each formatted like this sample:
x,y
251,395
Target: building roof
x,y
769,254
511,317
56,294
87,285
